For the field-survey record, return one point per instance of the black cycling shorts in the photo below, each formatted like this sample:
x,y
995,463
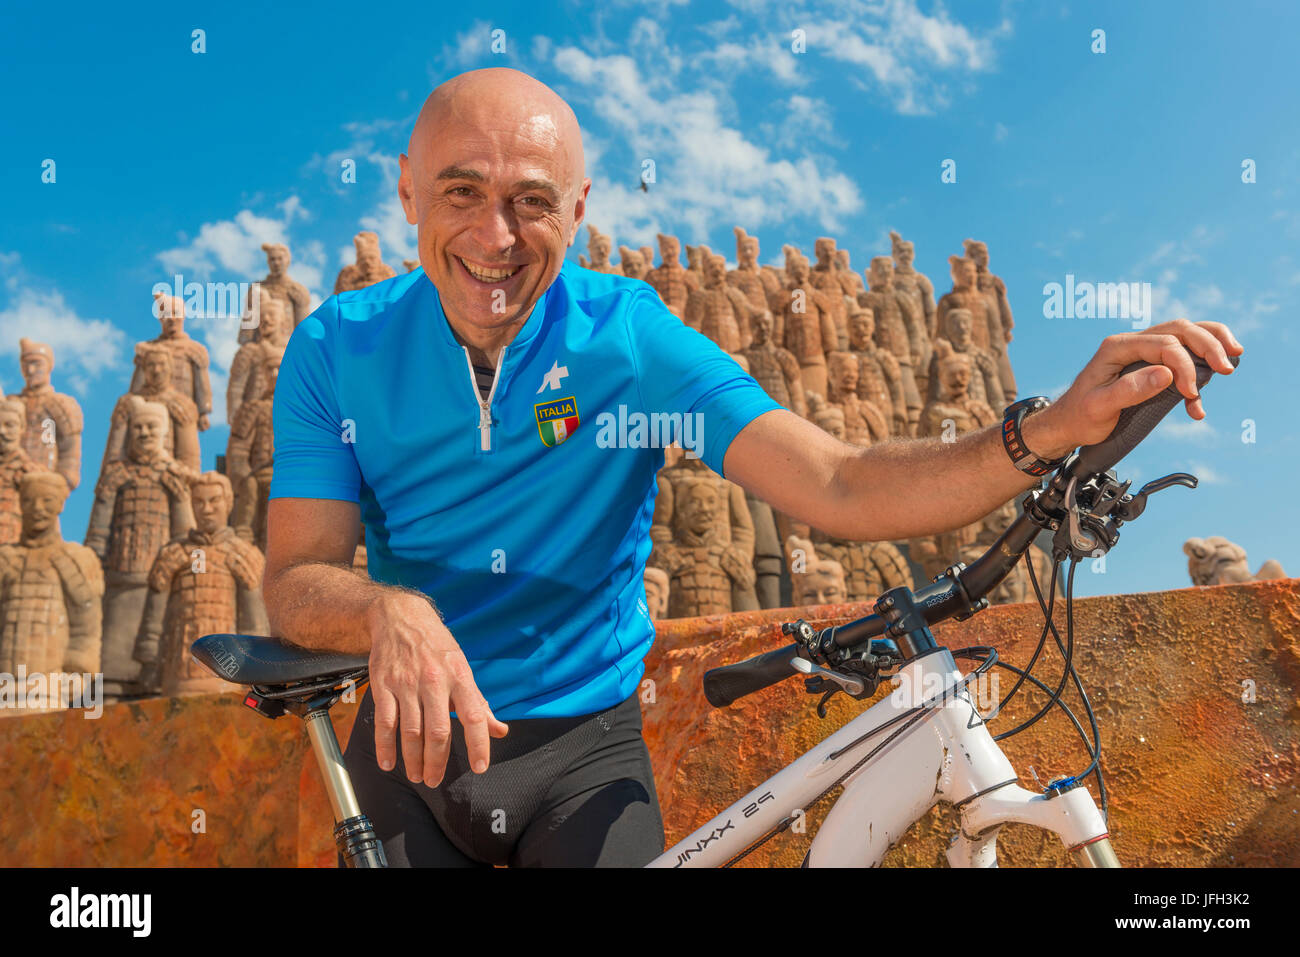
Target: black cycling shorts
x,y
558,792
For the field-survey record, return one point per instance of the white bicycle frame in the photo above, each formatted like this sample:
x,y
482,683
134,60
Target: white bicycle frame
x,y
948,756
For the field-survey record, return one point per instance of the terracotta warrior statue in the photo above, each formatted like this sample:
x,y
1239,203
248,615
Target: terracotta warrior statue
x,y
953,412
808,322
753,282
775,368
719,310
870,568
863,422
898,331
656,593
599,245
821,580
250,457
292,294
208,582
828,278
14,464
369,267
50,590
1217,561
410,265
984,384
965,294
632,263
995,291
696,257
249,362
189,358
141,503
704,541
850,280
879,380
54,423
915,286
154,363
669,279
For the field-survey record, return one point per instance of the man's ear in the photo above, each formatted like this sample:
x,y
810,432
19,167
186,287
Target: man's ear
x,y
406,190
579,210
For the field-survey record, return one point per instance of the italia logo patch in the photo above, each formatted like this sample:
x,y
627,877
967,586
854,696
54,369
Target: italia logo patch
x,y
556,420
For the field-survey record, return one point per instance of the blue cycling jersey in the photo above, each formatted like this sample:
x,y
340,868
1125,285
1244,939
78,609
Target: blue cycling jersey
x,y
525,516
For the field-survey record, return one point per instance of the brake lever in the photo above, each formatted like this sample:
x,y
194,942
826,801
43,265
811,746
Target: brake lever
x,y
1129,509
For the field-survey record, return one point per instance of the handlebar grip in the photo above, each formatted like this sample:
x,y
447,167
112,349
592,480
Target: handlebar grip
x,y
724,685
1136,422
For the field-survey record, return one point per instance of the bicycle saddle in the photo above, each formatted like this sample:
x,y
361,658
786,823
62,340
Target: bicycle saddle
x,y
257,660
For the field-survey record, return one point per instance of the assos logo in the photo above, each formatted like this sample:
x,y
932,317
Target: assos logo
x,y
102,910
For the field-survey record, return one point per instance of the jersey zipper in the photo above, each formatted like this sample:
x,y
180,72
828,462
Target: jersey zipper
x,y
484,405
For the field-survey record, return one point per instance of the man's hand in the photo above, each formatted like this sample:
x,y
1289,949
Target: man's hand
x,y
1088,411
418,675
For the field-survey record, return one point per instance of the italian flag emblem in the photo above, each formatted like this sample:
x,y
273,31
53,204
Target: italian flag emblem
x,y
556,420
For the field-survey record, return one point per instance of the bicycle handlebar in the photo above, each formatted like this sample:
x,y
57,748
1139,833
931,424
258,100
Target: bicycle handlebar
x,y
950,596
1136,422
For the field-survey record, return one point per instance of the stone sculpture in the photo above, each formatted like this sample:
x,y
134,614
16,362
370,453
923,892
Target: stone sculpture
x,y
827,277
774,367
807,321
50,590
247,368
994,291
915,286
898,331
669,279
870,568
704,541
369,267
189,358
864,423
816,580
208,582
880,381
656,593
1217,561
632,263
754,283
719,310
15,463
292,294
965,294
156,385
54,423
141,503
250,457
953,412
599,246
984,384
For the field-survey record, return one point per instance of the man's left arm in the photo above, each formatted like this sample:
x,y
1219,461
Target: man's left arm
x,y
904,489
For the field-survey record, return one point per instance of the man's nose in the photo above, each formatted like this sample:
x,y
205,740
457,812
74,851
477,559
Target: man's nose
x,y
495,230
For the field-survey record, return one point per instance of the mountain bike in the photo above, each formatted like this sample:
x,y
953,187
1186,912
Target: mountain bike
x,y
921,745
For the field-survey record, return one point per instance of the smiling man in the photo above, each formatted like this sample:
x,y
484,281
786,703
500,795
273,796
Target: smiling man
x,y
450,410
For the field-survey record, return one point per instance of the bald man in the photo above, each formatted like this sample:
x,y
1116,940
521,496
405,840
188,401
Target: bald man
x,y
456,411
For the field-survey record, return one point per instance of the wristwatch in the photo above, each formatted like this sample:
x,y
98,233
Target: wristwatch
x,y
1021,457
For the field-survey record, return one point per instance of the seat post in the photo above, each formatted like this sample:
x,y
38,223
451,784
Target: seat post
x,y
353,833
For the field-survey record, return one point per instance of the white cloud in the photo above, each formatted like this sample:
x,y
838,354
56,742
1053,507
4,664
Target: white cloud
x,y
707,171
233,246
1192,430
1207,475
84,348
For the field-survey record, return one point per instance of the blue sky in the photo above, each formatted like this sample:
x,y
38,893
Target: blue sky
x,y
1117,166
